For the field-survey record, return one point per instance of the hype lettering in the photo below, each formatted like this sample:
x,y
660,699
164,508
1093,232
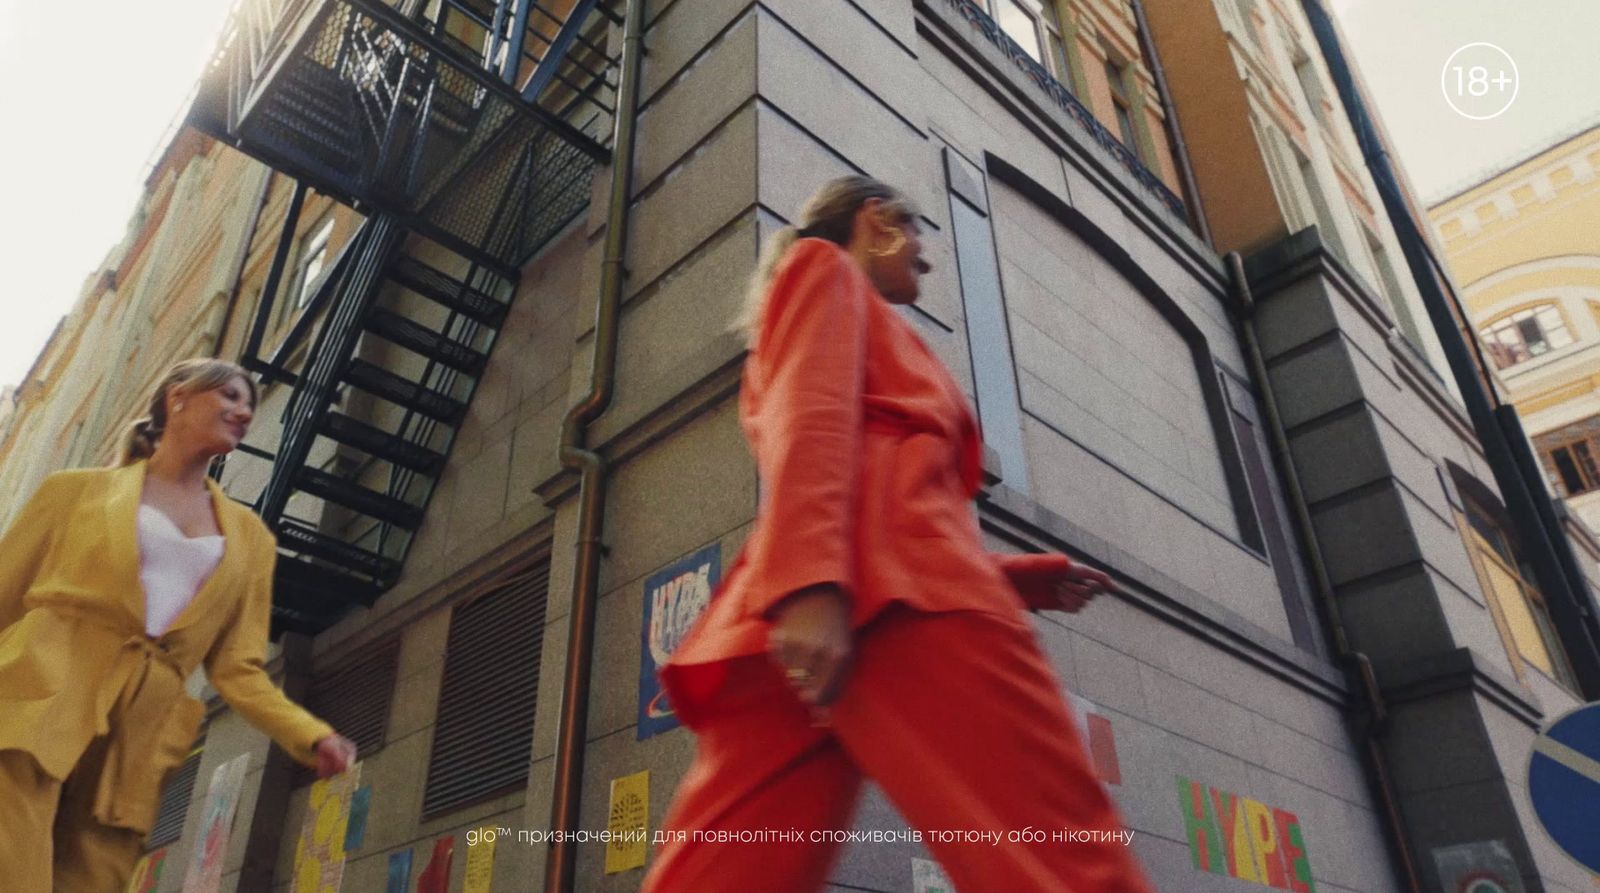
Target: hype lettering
x,y
1243,838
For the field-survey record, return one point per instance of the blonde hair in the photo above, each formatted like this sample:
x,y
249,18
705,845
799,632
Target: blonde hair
x,y
188,377
829,214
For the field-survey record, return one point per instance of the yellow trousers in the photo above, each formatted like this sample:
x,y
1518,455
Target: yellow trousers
x,y
50,841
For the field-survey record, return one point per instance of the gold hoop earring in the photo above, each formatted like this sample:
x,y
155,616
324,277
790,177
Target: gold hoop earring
x,y
900,242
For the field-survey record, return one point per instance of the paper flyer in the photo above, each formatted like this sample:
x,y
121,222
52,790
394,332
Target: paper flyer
x,y
216,826
356,832
319,857
147,874
629,813
399,872
480,865
436,877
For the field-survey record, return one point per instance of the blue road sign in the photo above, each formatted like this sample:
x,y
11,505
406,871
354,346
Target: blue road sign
x,y
1564,783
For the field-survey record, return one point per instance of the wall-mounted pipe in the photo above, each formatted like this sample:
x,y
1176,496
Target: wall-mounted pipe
x,y
567,788
1180,148
1510,459
1371,715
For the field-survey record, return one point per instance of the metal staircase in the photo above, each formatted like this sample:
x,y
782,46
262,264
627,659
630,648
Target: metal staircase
x,y
469,139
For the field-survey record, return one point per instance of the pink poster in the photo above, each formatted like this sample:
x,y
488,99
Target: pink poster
x,y
216,826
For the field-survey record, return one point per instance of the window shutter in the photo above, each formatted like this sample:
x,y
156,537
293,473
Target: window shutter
x,y
354,697
175,798
483,736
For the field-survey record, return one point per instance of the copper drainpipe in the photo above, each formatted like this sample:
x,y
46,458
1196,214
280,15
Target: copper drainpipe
x,y
575,455
1180,149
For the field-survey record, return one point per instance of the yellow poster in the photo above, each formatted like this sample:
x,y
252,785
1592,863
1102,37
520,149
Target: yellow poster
x,y
319,857
630,812
480,863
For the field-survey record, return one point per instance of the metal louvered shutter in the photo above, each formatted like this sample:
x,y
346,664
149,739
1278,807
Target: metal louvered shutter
x,y
483,737
175,802
354,697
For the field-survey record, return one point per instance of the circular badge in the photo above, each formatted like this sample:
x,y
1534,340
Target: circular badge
x,y
1479,81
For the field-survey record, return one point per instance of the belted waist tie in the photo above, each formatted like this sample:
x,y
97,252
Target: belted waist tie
x,y
146,682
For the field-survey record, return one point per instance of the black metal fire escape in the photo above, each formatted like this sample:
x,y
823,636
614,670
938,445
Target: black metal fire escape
x,y
467,132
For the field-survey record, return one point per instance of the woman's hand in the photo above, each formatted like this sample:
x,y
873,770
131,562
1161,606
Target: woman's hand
x,y
1079,585
1053,582
810,642
335,754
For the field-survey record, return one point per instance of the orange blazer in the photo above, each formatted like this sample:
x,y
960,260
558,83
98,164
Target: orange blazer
x,y
868,458
74,658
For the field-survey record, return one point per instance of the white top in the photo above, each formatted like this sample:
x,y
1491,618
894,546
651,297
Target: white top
x,y
172,567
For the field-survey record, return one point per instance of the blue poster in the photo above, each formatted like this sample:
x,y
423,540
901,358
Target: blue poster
x,y
399,872
355,832
673,598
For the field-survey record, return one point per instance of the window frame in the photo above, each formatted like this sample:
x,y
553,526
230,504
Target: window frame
x,y
1491,548
1049,45
314,248
1489,334
1117,83
1583,432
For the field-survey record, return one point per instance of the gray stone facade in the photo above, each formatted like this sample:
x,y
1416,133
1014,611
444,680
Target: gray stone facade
x,y
1128,373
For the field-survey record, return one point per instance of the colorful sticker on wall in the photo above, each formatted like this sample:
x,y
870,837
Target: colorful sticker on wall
x,y
216,826
1242,838
1483,866
480,864
1098,737
630,812
356,830
673,597
319,856
928,877
399,872
147,873
436,877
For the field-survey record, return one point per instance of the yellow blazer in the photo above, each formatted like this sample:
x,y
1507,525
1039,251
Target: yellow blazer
x,y
75,661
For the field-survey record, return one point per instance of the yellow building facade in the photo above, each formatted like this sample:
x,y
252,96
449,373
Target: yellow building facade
x,y
1524,249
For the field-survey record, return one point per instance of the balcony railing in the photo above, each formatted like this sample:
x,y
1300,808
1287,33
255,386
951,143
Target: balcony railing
x,y
1063,98
397,115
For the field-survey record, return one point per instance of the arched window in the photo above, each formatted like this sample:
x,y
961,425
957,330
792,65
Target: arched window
x,y
1525,334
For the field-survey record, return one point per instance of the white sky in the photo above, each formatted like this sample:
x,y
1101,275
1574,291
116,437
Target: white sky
x,y
88,88
1401,47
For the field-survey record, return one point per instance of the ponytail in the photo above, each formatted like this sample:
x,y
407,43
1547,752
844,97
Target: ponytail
x,y
828,214
140,441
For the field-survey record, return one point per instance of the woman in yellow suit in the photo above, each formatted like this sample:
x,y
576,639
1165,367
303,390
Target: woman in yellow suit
x,y
115,584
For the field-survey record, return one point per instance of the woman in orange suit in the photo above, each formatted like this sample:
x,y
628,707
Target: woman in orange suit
x,y
863,631
115,584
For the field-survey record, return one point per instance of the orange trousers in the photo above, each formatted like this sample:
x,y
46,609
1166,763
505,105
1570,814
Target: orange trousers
x,y
957,716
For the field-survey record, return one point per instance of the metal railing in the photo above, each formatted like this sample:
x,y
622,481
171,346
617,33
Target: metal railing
x,y
377,108
375,243
1063,98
